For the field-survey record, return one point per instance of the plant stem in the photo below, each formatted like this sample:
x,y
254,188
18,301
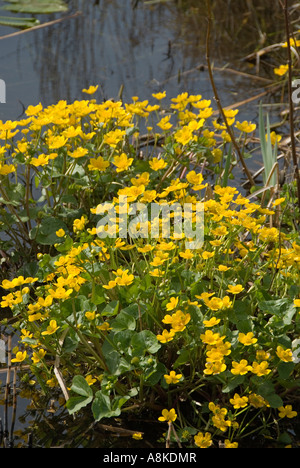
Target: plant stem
x,y
291,104
217,98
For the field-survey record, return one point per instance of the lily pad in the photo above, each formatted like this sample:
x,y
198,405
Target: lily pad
x,y
21,23
36,6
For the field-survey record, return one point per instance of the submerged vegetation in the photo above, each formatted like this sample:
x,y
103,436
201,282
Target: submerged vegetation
x,y
203,338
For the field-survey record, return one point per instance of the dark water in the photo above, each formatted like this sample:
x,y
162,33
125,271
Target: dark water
x,y
124,44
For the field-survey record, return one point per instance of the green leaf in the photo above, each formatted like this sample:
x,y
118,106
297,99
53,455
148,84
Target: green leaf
x,y
110,309
80,386
101,407
143,342
183,357
21,23
154,374
285,369
267,391
74,404
45,233
233,383
35,6
123,321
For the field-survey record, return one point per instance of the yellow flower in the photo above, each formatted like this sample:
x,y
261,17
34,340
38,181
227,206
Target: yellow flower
x,y
246,127
284,355
229,444
124,279
172,304
211,322
60,233
261,368
42,160
37,357
52,327
7,169
90,90
239,402
111,284
206,255
184,135
90,315
293,43
79,153
90,380
282,70
274,138
159,96
104,326
157,164
113,137
210,338
178,320
287,411
278,201
55,142
240,368
156,273
33,110
172,378
168,415
20,356
78,224
98,164
235,289
223,268
247,339
164,123
122,162
196,179
297,303
137,435
203,440
166,336
60,293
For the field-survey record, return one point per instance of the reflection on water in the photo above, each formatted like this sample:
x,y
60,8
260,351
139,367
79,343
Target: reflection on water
x,y
144,49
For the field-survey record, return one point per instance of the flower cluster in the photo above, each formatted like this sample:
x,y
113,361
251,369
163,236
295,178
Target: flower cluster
x,y
146,319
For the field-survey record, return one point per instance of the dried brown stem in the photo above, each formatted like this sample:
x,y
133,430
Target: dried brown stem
x,y
217,98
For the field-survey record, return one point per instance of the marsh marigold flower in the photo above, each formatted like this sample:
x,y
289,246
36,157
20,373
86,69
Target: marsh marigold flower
x,y
239,402
90,90
240,368
172,378
168,415
20,356
166,336
260,368
203,440
157,163
247,339
52,328
235,289
287,412
281,70
122,162
172,304
98,164
284,355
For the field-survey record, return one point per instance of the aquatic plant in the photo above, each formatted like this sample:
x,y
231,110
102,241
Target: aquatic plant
x,y
204,337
